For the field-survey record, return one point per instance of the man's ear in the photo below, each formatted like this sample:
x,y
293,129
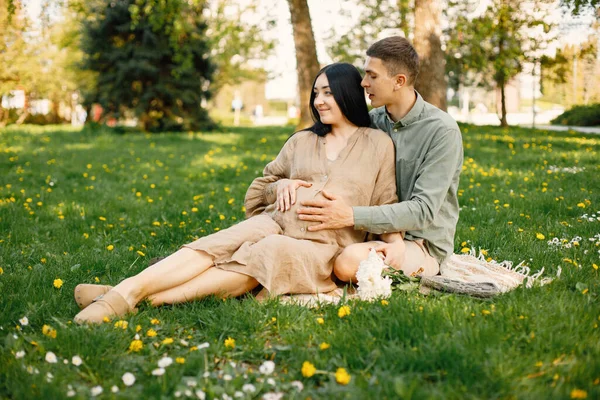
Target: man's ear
x,y
399,81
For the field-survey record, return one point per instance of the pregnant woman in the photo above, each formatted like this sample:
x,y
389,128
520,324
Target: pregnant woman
x,y
338,157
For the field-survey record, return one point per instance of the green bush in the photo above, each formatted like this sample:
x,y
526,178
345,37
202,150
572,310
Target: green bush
x,y
580,116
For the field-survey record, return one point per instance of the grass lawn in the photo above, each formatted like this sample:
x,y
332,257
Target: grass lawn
x,y
96,207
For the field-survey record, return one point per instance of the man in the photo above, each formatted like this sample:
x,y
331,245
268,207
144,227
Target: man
x,y
429,157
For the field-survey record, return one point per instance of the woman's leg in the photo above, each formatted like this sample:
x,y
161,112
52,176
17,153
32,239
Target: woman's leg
x,y
416,260
212,281
173,271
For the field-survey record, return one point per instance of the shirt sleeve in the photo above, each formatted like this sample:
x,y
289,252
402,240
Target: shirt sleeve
x,y
434,179
262,191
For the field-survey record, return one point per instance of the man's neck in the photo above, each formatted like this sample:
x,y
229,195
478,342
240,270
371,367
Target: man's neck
x,y
405,103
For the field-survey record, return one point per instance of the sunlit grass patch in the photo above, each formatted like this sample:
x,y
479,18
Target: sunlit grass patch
x,y
95,207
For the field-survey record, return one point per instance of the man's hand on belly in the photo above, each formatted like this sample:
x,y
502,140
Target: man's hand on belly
x,y
332,213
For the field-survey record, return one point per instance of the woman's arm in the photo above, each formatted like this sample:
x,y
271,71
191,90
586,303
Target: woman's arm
x,y
263,190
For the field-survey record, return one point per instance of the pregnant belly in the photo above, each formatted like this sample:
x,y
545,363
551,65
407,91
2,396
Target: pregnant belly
x,y
288,220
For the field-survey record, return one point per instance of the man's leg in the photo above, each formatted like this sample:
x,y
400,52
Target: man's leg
x,y
416,260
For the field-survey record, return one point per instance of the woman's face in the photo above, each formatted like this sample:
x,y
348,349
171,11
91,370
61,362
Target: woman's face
x,y
329,112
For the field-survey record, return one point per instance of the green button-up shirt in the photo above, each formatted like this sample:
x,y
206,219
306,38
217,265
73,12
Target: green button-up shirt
x,y
429,157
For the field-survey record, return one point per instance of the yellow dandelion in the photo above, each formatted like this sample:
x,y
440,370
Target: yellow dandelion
x,y
151,332
1,271
465,250
136,345
49,331
230,343
384,302
308,369
193,348
578,394
540,236
593,266
180,360
580,205
105,319
154,321
58,283
121,324
320,321
167,340
138,328
96,279
343,311
110,247
486,312
342,376
324,346
141,253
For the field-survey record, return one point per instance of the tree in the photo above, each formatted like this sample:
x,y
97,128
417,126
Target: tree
x,y
493,46
14,53
431,82
152,61
307,64
235,44
577,6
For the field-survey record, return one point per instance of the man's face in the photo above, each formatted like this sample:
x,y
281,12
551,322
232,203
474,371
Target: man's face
x,y
377,82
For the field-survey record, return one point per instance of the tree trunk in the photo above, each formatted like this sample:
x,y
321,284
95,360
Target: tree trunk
x,y
431,82
503,121
307,64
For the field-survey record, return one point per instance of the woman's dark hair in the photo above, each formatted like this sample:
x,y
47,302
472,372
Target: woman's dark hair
x,y
344,83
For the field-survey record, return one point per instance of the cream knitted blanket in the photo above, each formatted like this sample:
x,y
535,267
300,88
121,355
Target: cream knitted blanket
x,y
469,274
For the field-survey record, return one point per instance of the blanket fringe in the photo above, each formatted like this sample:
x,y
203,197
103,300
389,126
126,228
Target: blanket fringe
x,y
474,267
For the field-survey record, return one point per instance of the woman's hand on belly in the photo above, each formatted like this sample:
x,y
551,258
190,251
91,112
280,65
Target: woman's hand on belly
x,y
286,192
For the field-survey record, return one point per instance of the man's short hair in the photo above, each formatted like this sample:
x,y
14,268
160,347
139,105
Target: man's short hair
x,y
398,56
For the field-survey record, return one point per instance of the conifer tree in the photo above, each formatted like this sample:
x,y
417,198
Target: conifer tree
x,y
152,61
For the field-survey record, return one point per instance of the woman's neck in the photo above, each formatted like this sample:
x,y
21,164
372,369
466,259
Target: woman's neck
x,y
343,131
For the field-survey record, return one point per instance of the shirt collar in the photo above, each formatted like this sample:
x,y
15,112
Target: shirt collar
x,y
412,115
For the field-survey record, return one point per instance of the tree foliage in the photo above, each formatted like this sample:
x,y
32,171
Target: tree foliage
x,y
236,41
490,49
576,7
14,52
376,17
152,60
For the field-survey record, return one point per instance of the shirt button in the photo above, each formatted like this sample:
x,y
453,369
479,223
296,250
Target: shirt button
x,y
302,229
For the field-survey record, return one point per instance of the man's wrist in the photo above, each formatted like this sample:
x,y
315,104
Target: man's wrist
x,y
350,221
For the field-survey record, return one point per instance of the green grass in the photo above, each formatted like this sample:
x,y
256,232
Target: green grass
x,y
67,196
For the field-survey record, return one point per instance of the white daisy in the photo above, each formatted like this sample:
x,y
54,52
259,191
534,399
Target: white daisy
x,y
51,357
128,378
267,368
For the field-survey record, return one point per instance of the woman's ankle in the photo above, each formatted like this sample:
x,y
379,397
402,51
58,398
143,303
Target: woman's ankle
x,y
131,291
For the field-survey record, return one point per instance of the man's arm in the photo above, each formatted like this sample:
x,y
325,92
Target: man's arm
x,y
434,179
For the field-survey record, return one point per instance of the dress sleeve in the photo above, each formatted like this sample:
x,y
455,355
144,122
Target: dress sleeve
x,y
261,191
385,184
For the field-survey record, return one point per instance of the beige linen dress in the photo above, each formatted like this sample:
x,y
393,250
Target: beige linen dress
x,y
276,247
